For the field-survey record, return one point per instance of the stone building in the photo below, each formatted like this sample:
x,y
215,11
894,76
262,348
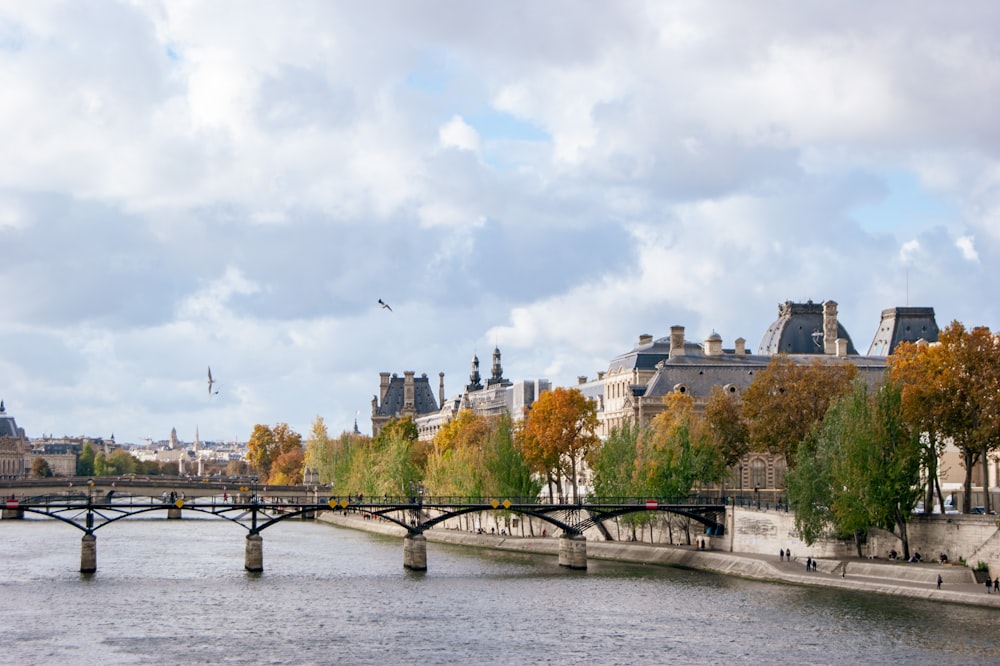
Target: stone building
x,y
496,395
636,382
399,397
13,446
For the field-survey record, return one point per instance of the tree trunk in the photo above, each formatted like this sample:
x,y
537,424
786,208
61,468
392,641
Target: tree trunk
x,y
986,481
970,463
900,519
857,542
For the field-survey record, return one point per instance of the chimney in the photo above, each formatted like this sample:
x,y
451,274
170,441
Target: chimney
x,y
383,385
741,346
713,345
408,401
841,347
645,339
582,379
676,341
441,389
830,327
600,374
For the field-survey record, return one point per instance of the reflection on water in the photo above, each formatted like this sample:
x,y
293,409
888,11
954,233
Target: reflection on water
x,y
169,592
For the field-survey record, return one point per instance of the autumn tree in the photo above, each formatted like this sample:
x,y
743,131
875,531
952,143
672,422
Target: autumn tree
x,y
951,391
558,434
787,399
677,451
40,468
287,468
267,444
724,413
455,462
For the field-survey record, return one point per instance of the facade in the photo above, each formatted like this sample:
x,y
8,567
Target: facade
x,y
412,397
13,446
399,397
636,382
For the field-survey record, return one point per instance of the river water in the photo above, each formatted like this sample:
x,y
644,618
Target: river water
x,y
175,592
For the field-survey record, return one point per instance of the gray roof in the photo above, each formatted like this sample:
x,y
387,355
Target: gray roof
x,y
799,330
423,397
8,427
903,324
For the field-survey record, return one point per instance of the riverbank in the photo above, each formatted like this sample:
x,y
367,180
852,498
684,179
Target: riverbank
x,y
891,578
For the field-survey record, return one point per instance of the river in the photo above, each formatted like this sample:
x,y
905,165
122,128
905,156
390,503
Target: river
x,y
175,592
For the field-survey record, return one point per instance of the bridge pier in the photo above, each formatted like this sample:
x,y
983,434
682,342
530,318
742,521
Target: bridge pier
x,y
173,513
88,553
254,560
12,514
415,552
573,551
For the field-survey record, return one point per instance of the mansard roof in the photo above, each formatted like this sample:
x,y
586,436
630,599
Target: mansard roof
x,y
799,330
393,400
903,324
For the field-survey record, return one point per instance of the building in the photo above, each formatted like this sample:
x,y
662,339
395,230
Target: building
x,y
13,446
637,381
412,396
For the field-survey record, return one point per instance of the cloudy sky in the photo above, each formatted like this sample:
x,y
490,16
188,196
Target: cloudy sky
x,y
236,184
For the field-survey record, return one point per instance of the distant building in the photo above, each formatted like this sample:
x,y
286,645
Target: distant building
x,y
13,446
412,396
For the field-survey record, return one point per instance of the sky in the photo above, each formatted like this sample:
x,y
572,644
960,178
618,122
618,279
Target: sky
x,y
236,184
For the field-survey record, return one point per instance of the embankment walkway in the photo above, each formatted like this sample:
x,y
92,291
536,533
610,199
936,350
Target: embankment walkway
x,y
892,578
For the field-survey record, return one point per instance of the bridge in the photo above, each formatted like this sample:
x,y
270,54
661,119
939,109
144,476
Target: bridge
x,y
94,509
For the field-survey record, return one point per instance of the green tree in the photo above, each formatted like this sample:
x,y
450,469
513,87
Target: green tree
x,y
100,465
613,462
509,474
119,462
859,469
85,463
40,468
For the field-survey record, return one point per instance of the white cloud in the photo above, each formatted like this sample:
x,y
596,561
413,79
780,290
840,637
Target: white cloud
x,y
185,185
456,133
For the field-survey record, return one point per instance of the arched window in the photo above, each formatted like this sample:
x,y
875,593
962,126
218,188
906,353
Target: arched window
x,y
780,467
758,473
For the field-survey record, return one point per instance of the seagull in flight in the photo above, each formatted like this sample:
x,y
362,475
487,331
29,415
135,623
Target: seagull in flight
x,y
210,382
385,306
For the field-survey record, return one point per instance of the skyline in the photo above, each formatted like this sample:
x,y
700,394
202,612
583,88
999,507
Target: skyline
x,y
237,186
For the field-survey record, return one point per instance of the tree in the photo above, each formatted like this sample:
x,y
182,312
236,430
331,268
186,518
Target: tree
x,y
724,413
787,399
558,434
40,468
677,451
859,469
509,474
613,462
119,462
267,444
85,463
951,390
287,468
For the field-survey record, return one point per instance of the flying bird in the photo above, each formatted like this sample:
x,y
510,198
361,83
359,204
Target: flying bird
x,y
210,382
385,306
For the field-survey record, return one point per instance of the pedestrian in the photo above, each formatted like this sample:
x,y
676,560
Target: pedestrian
x,y
996,584
939,581
809,563
781,554
989,585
